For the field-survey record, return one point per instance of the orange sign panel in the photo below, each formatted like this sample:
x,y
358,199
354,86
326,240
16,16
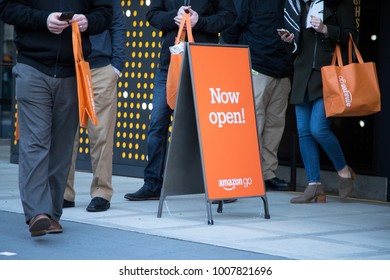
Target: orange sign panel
x,y
226,119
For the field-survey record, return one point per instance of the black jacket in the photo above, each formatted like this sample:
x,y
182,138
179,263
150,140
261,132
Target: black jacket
x,y
47,52
255,26
315,50
214,16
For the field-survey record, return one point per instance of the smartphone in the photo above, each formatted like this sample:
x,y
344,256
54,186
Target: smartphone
x,y
66,16
283,31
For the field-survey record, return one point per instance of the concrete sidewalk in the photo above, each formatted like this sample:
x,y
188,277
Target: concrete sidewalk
x,y
351,230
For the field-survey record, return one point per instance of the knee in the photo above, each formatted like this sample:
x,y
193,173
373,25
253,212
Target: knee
x,y
320,132
303,130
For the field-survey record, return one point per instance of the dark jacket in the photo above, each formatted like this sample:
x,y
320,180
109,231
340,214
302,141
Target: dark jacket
x,y
47,52
108,47
214,16
255,26
315,50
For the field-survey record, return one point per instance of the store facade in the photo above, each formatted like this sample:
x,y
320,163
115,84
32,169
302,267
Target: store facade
x,y
364,140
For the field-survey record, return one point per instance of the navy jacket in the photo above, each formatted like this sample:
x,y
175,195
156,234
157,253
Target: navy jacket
x,y
214,16
108,47
36,46
255,26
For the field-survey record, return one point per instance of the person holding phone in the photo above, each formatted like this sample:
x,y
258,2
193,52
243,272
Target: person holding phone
x,y
208,18
315,32
257,26
46,92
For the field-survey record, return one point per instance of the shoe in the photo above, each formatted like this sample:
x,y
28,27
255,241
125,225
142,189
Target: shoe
x,y
311,192
277,184
143,194
39,224
225,201
68,204
55,227
346,185
98,204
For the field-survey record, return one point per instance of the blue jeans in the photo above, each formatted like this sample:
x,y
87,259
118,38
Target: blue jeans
x,y
160,119
313,129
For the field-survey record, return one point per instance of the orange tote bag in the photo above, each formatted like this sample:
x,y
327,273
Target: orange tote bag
x,y
176,61
87,108
352,89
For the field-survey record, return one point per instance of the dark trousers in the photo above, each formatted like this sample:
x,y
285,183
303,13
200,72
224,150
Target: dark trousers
x,y
47,121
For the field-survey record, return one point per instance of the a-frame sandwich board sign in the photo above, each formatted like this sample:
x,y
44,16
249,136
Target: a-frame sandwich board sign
x,y
214,147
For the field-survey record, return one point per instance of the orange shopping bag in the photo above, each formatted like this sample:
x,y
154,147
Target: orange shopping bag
x,y
352,89
176,61
84,81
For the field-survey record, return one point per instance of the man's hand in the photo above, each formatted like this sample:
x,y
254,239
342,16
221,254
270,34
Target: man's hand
x,y
82,20
54,24
184,9
194,17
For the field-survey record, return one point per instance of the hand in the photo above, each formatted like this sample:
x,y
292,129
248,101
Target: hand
x,y
318,25
194,17
182,10
177,20
54,24
286,37
82,20
116,71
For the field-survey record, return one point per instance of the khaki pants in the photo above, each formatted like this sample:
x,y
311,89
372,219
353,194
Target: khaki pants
x,y
100,137
271,100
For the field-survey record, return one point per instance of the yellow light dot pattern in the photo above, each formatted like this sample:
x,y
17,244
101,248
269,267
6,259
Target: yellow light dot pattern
x,y
135,89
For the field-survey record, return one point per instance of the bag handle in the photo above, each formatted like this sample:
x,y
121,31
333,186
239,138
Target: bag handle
x,y
351,46
181,34
76,42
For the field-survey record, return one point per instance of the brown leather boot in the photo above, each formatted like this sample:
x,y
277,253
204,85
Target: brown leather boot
x,y
346,185
311,192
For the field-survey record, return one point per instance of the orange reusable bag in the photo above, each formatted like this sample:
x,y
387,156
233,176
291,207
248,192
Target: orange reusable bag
x,y
87,108
176,61
352,89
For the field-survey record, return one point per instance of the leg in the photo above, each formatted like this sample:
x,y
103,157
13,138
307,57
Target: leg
x,y
69,195
157,142
310,155
321,131
275,113
307,143
325,137
34,123
64,126
158,134
271,100
102,136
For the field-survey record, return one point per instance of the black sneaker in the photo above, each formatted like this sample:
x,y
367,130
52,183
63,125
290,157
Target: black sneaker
x,y
98,204
143,194
276,184
68,204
